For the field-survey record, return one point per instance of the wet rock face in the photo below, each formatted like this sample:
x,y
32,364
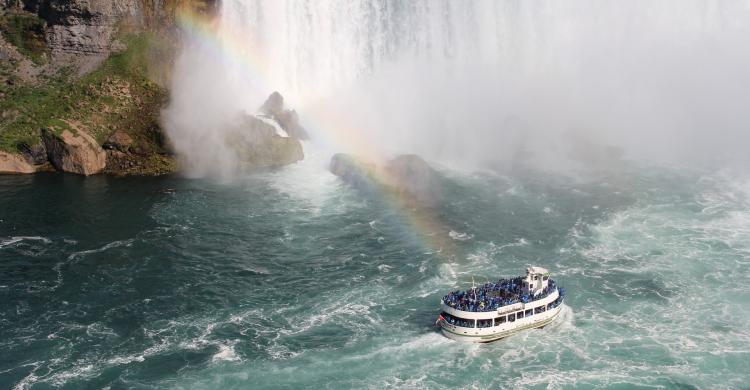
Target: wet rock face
x,y
77,153
257,143
275,109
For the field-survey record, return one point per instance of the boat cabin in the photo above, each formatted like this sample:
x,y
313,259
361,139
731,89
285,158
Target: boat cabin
x,y
536,280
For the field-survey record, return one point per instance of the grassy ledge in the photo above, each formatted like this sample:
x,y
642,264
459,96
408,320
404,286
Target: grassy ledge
x,y
116,96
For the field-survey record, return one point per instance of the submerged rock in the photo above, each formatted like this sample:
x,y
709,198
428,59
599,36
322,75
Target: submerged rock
x,y
405,176
71,152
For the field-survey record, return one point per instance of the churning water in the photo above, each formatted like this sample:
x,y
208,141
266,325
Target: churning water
x,y
292,279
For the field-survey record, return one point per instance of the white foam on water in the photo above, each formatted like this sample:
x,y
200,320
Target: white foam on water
x,y
673,251
113,244
460,236
16,239
310,183
226,353
399,347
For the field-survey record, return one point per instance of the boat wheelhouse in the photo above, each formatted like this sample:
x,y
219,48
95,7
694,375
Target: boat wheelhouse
x,y
495,310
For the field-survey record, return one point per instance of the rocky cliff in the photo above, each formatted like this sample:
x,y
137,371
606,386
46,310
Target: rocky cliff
x,y
82,86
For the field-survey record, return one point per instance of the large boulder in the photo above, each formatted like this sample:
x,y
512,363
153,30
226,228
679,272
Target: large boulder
x,y
408,177
74,151
120,141
410,174
14,164
260,142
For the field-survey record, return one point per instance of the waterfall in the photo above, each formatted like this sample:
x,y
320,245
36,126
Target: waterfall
x,y
477,81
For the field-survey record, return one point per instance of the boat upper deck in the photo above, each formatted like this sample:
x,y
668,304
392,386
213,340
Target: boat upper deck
x,y
492,296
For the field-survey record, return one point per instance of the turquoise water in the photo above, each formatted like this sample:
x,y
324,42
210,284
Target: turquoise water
x,y
291,279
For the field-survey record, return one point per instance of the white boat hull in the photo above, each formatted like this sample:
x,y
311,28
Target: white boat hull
x,y
485,335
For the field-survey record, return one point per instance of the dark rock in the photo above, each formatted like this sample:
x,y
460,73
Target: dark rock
x,y
35,154
273,106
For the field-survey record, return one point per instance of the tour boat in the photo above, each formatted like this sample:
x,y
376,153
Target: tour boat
x,y
495,310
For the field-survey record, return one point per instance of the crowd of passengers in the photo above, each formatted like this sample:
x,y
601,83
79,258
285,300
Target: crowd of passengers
x,y
492,296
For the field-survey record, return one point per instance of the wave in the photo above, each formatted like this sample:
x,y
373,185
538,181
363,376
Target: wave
x,y
113,244
4,242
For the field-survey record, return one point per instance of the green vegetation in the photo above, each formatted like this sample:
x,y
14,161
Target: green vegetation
x,y
116,96
26,33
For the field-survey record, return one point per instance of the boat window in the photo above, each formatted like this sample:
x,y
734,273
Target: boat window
x,y
499,320
539,309
457,321
484,323
519,314
529,312
549,306
511,317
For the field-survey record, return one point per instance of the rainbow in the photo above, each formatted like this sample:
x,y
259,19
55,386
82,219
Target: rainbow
x,y
335,130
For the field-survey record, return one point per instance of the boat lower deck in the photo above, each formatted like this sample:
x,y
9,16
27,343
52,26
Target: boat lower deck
x,y
538,322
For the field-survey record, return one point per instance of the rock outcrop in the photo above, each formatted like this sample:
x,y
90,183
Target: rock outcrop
x,y
85,27
260,142
77,152
84,32
406,176
58,41
119,141
275,109
14,164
